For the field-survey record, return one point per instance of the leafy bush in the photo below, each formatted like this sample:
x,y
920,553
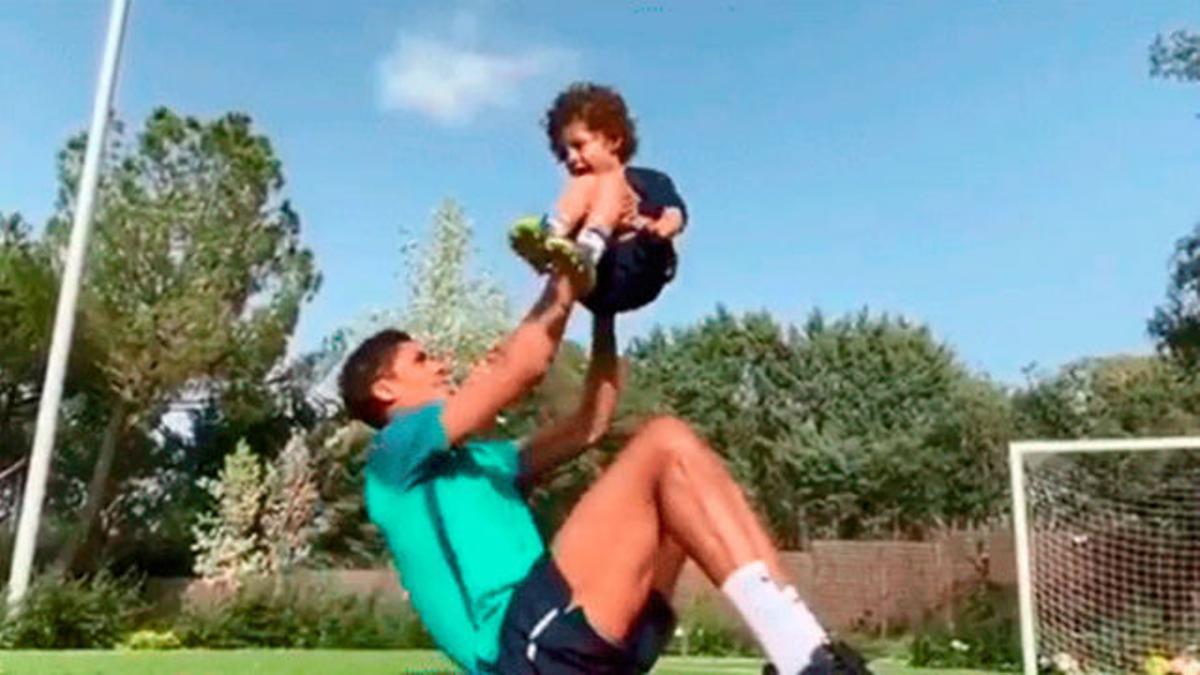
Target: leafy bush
x,y
300,618
984,635
149,639
73,614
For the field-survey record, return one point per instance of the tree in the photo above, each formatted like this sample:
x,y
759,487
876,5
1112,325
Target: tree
x,y
907,439
858,427
195,276
1176,56
27,295
1110,397
264,518
1176,324
453,309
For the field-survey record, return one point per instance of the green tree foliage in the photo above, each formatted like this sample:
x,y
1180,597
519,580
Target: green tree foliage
x,y
1176,323
194,282
899,437
28,290
1176,56
1117,396
858,427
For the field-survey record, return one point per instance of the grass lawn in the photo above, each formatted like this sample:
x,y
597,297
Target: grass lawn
x,y
281,662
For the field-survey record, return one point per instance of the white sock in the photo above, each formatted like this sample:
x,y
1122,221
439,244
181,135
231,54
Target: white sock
x,y
805,616
593,242
553,226
781,631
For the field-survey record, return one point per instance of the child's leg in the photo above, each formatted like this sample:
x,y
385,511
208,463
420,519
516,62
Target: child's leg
x,y
610,203
601,203
573,204
598,201
529,236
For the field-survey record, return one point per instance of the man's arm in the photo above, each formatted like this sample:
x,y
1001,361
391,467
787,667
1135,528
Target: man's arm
x,y
512,368
563,439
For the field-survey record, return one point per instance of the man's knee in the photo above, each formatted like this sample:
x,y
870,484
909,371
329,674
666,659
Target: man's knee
x,y
670,432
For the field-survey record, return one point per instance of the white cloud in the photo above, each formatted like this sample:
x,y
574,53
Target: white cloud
x,y
450,81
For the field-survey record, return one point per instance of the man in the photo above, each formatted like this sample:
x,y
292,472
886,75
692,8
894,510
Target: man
x,y
493,597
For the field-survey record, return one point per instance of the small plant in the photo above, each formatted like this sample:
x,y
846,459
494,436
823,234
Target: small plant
x,y
152,640
985,635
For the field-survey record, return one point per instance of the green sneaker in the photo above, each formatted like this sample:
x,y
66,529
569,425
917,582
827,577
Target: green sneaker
x,y
569,258
527,236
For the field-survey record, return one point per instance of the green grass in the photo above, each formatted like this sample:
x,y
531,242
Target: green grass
x,y
327,662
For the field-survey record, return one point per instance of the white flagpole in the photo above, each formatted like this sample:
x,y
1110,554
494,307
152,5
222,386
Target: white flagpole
x,y
64,320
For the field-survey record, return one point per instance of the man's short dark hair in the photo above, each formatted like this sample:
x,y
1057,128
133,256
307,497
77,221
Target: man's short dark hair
x,y
361,370
601,108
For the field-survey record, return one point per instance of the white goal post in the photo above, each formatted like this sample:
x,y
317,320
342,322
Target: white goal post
x,y
1107,536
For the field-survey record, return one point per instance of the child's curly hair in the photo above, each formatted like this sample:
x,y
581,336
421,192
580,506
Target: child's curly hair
x,y
601,108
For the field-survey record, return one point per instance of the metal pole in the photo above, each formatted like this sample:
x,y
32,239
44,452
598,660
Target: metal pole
x,y
1016,460
64,320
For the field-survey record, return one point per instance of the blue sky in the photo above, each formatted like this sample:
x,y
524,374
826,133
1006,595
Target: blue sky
x,y
1005,172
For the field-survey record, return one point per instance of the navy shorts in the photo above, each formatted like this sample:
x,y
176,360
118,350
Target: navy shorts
x,y
631,273
543,634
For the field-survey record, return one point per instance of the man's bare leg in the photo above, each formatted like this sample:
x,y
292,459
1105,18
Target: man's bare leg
x,y
608,546
668,485
668,563
764,548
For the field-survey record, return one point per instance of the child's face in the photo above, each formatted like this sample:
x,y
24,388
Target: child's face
x,y
413,377
589,151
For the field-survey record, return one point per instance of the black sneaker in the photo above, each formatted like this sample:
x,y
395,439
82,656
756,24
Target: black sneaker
x,y
834,658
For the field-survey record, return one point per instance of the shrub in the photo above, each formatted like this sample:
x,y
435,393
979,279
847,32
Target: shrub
x,y
985,634
85,613
300,617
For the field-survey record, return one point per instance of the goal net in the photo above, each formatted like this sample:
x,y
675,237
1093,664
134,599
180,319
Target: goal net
x,y
1108,552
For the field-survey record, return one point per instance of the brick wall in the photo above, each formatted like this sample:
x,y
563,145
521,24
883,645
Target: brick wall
x,y
884,583
848,583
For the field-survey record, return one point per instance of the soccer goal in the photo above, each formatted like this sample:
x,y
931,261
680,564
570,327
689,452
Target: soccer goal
x,y
1108,552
